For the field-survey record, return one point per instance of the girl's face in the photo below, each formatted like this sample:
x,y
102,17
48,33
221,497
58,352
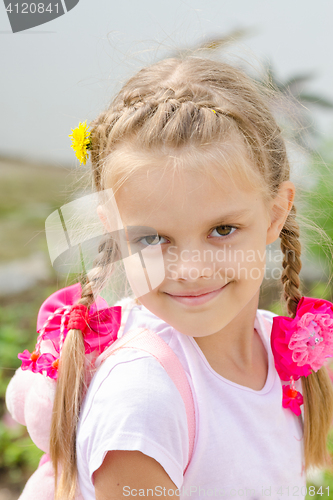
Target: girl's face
x,y
211,238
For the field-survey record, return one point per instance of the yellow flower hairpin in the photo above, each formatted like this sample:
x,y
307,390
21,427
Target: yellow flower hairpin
x,y
81,141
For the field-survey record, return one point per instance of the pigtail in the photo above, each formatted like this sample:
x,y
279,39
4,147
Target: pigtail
x,y
291,248
317,387
71,382
66,407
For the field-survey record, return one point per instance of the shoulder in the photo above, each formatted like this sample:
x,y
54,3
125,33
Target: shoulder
x,y
132,378
268,315
130,399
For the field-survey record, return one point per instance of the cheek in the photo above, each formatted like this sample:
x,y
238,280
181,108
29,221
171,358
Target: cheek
x,y
255,266
246,261
136,275
145,270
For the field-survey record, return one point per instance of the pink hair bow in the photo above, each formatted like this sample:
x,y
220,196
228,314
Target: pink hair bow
x,y
100,332
301,345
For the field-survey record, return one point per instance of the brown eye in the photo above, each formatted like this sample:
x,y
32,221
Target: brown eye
x,y
224,230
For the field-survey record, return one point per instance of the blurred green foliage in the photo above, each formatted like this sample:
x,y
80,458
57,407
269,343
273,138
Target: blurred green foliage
x,y
317,203
28,194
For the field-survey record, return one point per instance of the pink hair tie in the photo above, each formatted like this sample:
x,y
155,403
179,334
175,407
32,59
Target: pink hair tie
x,y
99,331
78,318
301,345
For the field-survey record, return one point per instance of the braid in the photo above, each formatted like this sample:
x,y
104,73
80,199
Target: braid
x,y
291,248
100,131
68,397
108,253
317,387
163,112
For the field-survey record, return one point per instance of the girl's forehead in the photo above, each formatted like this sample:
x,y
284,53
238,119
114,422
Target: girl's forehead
x,y
200,181
224,167
163,196
181,183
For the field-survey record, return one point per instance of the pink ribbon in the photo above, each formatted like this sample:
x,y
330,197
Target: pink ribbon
x,y
100,332
301,345
103,321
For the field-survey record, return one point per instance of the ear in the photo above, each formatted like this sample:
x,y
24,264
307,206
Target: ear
x,y
279,209
101,214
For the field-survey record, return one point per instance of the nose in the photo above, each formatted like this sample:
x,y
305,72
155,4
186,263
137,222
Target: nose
x,y
189,264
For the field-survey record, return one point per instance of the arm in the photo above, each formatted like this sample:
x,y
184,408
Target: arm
x,y
124,471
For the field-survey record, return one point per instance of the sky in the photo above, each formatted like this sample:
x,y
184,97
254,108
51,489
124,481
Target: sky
x,y
66,71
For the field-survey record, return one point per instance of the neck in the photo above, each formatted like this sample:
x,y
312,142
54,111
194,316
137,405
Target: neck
x,y
235,344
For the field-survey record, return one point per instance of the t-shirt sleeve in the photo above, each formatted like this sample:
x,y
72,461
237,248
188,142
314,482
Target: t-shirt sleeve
x,y
132,404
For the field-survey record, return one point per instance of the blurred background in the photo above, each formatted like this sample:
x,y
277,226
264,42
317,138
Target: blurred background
x,y
65,72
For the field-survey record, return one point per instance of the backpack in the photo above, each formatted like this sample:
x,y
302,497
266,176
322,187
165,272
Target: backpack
x,y
30,394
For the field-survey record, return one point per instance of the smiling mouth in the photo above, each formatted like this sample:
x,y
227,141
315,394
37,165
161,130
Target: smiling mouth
x,y
193,300
200,294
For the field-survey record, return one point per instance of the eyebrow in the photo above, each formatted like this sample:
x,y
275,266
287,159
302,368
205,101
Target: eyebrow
x,y
237,214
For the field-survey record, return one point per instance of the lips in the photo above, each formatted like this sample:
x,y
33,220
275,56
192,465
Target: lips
x,y
196,300
194,293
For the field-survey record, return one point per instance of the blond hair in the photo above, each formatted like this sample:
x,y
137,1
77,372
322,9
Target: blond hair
x,y
169,106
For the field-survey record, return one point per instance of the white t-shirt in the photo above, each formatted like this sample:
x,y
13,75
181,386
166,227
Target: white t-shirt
x,y
247,445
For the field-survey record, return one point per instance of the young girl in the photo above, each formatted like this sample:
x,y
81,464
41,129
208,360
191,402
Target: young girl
x,y
196,161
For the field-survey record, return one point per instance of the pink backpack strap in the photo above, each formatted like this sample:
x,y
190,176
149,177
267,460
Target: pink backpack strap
x,y
149,341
